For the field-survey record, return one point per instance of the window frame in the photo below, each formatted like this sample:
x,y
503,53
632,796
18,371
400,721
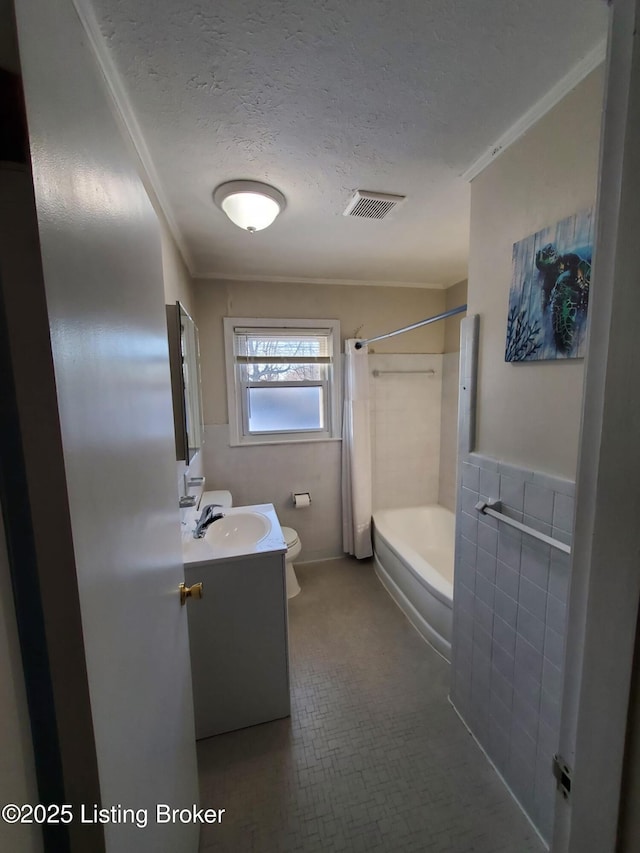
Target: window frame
x,y
238,390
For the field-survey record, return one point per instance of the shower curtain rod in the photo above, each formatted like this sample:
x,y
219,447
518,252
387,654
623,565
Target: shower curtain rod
x,y
435,319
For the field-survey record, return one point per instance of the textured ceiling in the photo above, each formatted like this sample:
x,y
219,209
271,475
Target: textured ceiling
x,y
320,97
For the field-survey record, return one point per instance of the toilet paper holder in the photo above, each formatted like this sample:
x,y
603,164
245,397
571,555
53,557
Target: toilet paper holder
x,y
301,499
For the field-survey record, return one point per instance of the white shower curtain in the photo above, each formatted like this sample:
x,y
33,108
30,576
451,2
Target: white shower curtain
x,y
356,453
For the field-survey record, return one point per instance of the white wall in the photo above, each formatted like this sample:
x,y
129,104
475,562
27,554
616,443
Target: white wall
x,y
529,413
178,284
272,473
178,287
363,312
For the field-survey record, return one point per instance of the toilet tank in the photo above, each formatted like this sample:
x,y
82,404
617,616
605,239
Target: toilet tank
x,y
221,497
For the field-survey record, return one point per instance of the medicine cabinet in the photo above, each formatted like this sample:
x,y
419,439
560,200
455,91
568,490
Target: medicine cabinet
x,y
184,361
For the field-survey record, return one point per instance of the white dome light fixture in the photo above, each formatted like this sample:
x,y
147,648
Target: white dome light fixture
x,y
250,205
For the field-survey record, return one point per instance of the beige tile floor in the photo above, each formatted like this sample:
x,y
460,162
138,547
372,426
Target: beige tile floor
x,y
373,757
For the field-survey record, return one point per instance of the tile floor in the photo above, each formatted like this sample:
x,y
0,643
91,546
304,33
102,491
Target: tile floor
x,y
373,757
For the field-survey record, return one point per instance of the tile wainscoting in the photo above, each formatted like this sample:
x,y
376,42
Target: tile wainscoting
x,y
510,600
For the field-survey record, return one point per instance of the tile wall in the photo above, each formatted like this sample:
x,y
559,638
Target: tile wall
x,y
405,432
405,429
509,624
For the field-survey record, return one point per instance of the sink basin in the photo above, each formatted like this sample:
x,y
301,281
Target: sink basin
x,y
238,530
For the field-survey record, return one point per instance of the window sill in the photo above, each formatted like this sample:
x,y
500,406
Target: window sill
x,y
283,441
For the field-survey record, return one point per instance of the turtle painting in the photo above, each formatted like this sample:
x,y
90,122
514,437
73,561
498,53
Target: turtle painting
x,y
565,290
549,296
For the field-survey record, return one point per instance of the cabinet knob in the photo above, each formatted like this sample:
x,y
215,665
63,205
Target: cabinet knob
x,y
194,591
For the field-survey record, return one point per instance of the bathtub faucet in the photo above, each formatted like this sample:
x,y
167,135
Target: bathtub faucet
x,y
209,515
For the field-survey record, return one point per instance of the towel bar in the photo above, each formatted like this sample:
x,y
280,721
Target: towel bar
x,y
492,508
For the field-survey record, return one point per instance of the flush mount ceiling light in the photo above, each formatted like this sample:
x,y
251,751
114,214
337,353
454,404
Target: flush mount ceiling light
x,y
249,204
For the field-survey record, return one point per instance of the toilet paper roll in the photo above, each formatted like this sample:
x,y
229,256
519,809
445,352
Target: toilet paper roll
x,y
301,499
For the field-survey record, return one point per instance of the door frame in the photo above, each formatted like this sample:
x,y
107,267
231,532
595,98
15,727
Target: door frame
x,y
605,570
34,504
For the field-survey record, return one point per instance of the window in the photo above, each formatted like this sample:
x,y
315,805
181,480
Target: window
x,y
282,382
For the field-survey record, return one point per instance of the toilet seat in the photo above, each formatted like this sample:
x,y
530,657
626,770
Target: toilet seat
x,y
290,537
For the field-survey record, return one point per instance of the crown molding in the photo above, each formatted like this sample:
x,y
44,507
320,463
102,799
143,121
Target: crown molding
x,y
129,124
579,71
275,279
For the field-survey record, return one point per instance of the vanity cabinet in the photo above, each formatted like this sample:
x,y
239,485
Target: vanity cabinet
x,y
238,635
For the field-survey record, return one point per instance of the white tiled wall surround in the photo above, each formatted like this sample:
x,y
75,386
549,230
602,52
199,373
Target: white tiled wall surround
x,y
405,429
510,598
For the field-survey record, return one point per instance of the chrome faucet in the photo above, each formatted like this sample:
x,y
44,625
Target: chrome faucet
x,y
208,516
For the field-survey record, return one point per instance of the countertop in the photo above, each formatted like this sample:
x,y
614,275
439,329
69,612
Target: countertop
x,y
197,551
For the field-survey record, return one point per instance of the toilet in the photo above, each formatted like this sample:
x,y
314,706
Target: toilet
x,y
294,546
221,497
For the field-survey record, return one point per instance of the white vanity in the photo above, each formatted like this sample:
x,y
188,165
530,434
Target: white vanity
x,y
238,631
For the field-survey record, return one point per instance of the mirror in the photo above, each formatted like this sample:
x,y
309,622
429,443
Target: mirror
x,y
184,361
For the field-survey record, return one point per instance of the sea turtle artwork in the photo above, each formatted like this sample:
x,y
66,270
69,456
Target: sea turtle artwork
x,y
549,296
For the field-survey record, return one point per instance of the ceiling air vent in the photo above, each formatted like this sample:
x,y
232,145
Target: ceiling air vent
x,y
372,205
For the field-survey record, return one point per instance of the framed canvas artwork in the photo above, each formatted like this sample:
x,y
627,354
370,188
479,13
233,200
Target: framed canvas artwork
x,y
549,295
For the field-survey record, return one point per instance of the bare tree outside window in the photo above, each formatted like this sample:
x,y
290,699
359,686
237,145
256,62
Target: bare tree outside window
x,y
279,349
284,384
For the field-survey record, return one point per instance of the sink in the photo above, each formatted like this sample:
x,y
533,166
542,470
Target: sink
x,y
238,530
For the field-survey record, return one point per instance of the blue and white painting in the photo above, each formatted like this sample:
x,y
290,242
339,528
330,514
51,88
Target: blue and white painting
x,y
549,295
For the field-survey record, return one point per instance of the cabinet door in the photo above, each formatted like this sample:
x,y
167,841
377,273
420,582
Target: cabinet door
x,y
239,650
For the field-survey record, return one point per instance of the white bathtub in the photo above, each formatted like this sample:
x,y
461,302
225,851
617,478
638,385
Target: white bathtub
x,y
413,550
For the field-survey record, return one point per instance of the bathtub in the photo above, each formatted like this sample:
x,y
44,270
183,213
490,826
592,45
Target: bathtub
x,y
413,551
